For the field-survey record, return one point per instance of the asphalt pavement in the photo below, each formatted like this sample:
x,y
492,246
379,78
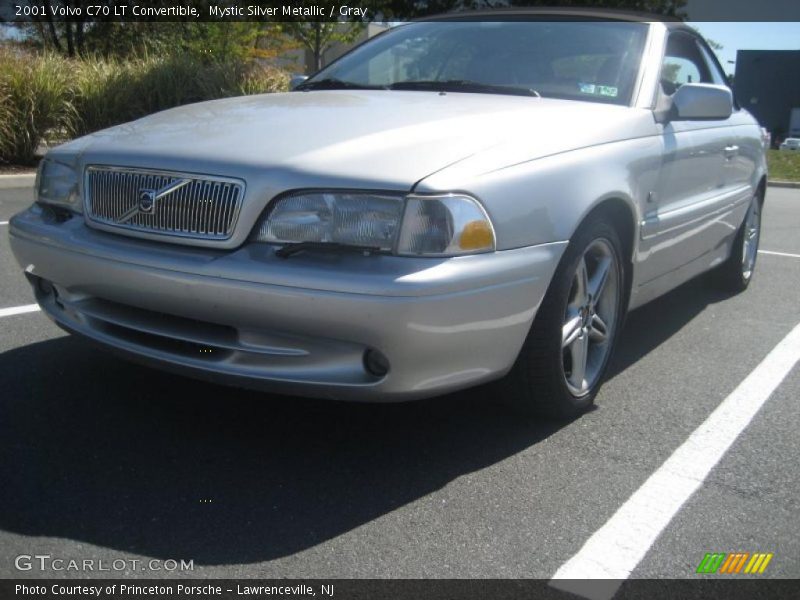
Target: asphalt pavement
x,y
104,459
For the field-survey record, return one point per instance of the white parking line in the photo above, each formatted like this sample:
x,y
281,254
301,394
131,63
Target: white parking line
x,y
615,549
779,253
3,222
18,310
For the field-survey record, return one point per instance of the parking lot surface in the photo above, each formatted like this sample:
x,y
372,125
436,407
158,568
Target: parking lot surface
x,y
102,458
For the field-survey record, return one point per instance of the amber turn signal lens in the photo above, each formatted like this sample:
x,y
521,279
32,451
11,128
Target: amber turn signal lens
x,y
476,235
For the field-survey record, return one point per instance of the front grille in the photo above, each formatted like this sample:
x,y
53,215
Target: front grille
x,y
163,202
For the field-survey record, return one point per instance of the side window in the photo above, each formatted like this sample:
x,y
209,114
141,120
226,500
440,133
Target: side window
x,y
683,63
680,70
717,76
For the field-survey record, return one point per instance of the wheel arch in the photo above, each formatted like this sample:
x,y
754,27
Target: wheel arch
x,y
761,189
622,216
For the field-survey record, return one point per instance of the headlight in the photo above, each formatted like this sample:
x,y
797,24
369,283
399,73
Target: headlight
x,y
350,219
447,225
57,184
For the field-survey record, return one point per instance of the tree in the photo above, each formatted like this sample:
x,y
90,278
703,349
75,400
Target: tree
x,y
317,37
83,35
66,37
220,40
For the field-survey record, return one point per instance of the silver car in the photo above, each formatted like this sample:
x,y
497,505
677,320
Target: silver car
x,y
451,203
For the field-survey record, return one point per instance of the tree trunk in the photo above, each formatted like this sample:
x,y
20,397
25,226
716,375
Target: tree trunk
x,y
107,42
70,34
51,27
70,41
79,36
317,46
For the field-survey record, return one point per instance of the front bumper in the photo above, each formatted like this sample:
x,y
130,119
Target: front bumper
x,y
300,325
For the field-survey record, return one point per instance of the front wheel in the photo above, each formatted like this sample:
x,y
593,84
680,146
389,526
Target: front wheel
x,y
566,354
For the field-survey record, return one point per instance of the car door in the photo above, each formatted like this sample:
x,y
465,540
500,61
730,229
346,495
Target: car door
x,y
745,144
681,217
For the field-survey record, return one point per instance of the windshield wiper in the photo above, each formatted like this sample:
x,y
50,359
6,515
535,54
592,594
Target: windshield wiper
x,y
448,85
464,85
288,250
331,83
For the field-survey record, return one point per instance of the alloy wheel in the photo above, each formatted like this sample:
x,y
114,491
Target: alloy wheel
x,y
752,233
590,318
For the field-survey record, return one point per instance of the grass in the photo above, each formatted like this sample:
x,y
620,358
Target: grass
x,y
784,165
6,129
50,98
113,92
35,99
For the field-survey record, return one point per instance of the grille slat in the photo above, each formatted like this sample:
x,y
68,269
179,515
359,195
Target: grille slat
x,y
205,208
182,199
225,199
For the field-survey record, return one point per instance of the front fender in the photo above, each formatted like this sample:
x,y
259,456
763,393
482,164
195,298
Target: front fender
x,y
545,200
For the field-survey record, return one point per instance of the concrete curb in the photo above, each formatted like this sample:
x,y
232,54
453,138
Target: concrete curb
x,y
784,184
16,180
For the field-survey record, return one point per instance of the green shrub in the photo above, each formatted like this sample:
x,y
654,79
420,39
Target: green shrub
x,y
5,123
112,92
46,97
35,101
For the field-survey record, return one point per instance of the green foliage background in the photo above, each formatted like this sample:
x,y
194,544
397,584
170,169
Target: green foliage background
x,y
50,97
784,165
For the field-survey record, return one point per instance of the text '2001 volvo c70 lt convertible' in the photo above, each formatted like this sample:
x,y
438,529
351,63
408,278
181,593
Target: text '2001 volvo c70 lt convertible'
x,y
453,202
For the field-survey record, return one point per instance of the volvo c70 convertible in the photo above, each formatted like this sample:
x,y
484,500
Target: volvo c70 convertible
x,y
451,203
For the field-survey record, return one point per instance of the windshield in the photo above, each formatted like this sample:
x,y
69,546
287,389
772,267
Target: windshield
x,y
582,60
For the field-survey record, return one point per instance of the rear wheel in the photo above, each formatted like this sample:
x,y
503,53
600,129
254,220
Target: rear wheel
x,y
736,273
566,354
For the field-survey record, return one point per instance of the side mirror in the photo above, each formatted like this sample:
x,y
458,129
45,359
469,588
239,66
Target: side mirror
x,y
296,80
702,101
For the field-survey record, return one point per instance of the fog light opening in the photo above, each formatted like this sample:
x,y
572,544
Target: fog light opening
x,y
376,363
45,287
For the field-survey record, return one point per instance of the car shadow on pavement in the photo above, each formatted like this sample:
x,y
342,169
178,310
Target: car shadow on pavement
x,y
648,327
99,450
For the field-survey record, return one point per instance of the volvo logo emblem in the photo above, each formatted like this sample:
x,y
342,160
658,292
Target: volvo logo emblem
x,y
147,201
147,198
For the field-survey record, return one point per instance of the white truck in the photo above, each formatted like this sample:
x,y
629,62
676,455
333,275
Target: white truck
x,y
794,123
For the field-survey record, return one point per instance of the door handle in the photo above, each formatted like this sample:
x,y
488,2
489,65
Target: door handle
x,y
730,151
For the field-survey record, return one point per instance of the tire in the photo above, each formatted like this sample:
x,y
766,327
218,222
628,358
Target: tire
x,y
736,273
543,381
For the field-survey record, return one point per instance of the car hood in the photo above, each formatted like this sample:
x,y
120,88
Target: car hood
x,y
370,138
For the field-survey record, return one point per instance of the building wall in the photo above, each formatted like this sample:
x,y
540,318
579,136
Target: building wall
x,y
767,83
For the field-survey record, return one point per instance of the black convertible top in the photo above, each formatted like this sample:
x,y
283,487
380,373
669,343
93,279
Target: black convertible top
x,y
554,13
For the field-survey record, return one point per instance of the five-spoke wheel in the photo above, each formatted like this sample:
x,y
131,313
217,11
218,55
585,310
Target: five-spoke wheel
x,y
736,273
590,316
752,233
566,354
